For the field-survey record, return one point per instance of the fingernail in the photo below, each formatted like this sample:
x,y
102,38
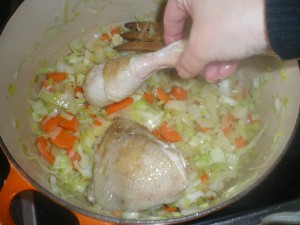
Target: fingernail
x,y
211,73
226,70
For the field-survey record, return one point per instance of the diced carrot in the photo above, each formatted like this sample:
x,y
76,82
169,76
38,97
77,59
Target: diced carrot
x,y
64,139
106,37
179,93
169,208
161,95
227,120
240,142
44,149
204,179
67,121
57,77
200,128
156,133
227,131
49,123
168,133
237,97
241,95
148,97
78,90
117,213
47,84
97,122
119,105
116,30
227,123
74,157
250,118
93,116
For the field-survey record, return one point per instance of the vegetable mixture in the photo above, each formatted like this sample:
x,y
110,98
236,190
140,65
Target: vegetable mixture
x,y
214,125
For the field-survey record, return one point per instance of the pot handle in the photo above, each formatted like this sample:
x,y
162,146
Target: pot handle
x,y
13,185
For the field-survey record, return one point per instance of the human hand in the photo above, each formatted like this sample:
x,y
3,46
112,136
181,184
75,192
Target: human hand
x,y
222,33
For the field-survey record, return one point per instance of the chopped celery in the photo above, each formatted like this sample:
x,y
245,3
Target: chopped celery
x,y
117,39
38,107
76,46
11,90
62,162
87,140
111,53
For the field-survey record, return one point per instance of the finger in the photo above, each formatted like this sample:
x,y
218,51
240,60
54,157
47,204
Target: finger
x,y
174,19
189,64
219,70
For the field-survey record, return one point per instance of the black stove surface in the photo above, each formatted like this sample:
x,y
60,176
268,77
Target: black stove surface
x,y
280,191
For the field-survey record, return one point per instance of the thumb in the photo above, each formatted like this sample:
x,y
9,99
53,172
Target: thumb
x,y
219,70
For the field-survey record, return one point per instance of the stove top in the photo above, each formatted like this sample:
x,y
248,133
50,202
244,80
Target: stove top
x,y
279,192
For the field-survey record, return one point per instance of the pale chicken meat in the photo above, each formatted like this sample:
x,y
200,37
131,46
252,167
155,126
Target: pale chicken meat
x,y
119,78
135,171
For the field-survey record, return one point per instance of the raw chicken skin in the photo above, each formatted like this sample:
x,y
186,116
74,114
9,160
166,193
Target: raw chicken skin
x,y
120,77
134,170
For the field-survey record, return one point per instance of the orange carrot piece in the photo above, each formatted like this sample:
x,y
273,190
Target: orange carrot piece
x,y
57,76
49,123
117,213
67,121
168,133
47,84
97,122
200,128
204,179
119,105
240,142
178,92
227,131
74,157
156,133
116,30
64,139
227,120
106,37
92,116
78,90
148,97
170,209
227,123
161,95
251,120
44,149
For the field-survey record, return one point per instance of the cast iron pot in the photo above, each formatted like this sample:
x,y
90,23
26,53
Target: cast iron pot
x,y
27,39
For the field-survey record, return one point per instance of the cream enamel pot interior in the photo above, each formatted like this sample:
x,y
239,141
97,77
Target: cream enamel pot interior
x,y
25,41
